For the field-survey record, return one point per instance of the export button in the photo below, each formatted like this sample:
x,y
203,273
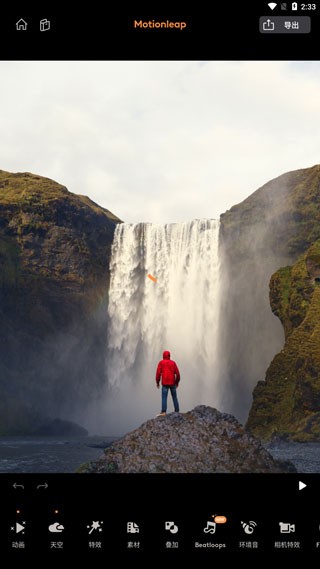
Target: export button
x,y
285,25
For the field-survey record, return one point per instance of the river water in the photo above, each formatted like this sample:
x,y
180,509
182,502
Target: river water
x,y
304,456
49,454
62,454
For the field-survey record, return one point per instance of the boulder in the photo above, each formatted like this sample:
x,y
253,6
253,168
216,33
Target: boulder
x,y
200,441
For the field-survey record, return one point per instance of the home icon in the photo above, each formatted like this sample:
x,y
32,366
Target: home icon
x,y
21,25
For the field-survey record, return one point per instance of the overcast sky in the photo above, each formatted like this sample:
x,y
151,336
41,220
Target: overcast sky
x,y
160,141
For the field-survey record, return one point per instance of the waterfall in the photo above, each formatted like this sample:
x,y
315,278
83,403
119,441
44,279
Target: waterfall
x,y
177,309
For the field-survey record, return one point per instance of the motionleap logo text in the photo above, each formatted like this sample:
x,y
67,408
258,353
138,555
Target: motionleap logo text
x,y
155,24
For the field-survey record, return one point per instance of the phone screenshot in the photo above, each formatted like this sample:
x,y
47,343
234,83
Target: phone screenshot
x,y
160,284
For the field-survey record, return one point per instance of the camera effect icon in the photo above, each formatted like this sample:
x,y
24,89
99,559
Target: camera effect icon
x,y
287,528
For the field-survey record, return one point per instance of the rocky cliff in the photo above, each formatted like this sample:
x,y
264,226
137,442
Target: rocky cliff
x,y
287,404
203,440
277,226
54,259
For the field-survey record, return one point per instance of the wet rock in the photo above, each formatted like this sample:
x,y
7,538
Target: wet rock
x,y
200,441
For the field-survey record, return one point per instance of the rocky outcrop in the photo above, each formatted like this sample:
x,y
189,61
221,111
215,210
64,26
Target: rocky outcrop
x,y
287,404
54,260
272,228
203,440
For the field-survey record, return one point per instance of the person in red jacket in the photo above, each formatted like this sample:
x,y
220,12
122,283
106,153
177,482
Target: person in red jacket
x,y
169,375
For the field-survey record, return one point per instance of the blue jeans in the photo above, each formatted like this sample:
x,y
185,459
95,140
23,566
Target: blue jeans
x,y
165,389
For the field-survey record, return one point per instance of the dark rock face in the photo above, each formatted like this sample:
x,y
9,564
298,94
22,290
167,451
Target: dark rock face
x,y
54,260
58,427
203,440
270,229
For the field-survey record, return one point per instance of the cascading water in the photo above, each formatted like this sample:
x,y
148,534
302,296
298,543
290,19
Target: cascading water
x,y
178,312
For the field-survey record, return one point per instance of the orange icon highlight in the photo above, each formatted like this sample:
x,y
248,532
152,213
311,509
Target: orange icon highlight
x,y
152,278
220,519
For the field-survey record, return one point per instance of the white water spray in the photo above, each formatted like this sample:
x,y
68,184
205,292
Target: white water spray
x,y
179,312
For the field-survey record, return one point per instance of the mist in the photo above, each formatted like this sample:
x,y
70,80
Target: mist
x,y
253,244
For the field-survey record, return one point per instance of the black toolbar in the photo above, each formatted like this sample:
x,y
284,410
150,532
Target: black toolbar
x,y
171,515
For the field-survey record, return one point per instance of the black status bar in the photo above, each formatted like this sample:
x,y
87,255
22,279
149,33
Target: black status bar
x,y
238,32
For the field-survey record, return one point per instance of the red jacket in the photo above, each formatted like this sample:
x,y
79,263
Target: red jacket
x,y
168,371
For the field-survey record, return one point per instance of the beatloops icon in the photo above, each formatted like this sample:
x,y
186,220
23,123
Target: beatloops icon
x,y
249,527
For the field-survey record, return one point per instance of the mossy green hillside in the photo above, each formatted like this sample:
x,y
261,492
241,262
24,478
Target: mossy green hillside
x,y
47,230
291,291
287,403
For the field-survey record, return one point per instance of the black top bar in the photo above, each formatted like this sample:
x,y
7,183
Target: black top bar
x,y
228,32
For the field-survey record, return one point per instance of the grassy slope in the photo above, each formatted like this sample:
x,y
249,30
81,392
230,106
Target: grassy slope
x,y
287,404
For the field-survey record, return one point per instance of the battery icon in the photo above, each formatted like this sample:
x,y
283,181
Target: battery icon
x,y
294,6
